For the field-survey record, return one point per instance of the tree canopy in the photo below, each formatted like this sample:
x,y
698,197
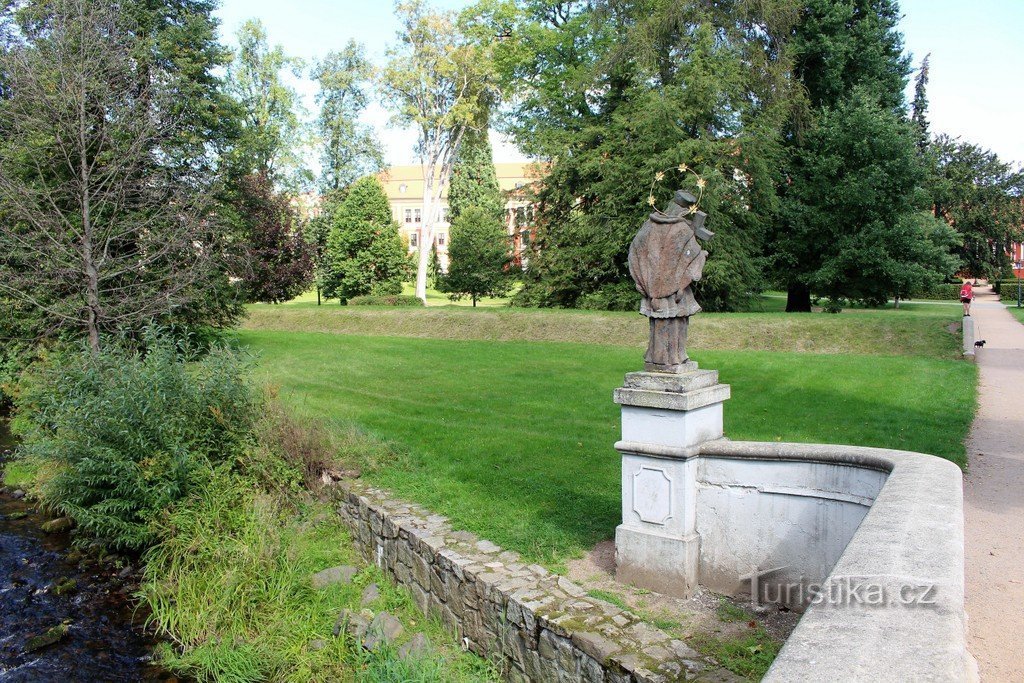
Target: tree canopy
x,y
479,256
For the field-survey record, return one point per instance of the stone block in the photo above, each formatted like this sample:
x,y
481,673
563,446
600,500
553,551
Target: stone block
x,y
664,564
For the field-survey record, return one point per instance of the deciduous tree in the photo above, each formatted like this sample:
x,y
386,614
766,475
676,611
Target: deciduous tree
x,y
438,81
349,148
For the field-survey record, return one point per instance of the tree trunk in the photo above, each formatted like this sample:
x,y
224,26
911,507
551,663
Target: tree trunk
x,y
317,296
474,301
426,233
798,299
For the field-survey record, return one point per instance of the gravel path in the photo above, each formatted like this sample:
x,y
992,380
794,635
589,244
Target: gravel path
x,y
994,498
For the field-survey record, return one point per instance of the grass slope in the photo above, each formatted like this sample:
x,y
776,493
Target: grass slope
x,y
914,330
513,440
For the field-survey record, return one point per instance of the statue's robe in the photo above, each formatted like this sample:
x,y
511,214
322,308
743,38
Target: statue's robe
x,y
665,259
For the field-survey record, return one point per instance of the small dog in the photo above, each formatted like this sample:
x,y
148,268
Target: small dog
x,y
980,342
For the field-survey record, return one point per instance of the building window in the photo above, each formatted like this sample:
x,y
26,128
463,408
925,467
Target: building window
x,y
417,214
402,188
440,239
414,240
442,214
408,215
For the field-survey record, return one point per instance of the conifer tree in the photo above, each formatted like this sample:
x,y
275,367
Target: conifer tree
x,y
479,257
474,181
365,253
919,108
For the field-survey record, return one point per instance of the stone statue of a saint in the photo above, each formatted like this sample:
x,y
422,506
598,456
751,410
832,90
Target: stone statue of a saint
x,y
665,259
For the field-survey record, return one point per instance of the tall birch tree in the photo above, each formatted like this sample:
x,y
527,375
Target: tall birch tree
x,y
438,81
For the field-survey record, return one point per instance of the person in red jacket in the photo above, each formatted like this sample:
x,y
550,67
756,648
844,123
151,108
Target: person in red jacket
x,y
966,297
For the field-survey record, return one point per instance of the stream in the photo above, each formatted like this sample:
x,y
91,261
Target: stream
x,y
49,591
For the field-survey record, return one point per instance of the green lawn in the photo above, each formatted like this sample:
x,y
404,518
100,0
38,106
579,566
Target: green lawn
x,y
1017,313
513,439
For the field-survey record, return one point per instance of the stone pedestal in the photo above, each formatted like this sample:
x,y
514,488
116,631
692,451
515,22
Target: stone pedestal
x,y
665,418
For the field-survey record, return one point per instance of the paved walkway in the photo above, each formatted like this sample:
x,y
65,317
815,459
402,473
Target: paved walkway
x,y
994,497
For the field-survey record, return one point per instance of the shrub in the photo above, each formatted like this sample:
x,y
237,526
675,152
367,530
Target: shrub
x,y
619,296
385,300
129,432
949,291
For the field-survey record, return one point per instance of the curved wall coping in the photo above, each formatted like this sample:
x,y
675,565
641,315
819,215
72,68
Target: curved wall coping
x,y
894,602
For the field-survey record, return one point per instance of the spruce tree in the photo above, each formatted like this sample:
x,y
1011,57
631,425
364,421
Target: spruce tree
x,y
365,253
474,182
919,108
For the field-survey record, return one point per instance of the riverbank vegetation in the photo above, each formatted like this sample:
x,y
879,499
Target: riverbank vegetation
x,y
178,461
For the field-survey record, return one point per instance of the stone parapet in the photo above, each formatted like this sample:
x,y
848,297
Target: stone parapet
x,y
536,625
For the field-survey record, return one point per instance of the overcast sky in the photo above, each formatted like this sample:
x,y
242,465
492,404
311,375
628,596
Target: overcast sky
x,y
977,60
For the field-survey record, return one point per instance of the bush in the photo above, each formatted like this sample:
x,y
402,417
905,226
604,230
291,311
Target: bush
x,y
127,433
620,296
942,292
385,300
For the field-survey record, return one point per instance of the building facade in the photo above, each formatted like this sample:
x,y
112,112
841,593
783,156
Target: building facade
x,y
404,188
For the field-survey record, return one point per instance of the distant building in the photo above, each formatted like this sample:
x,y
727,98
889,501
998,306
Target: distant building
x,y
404,188
1017,259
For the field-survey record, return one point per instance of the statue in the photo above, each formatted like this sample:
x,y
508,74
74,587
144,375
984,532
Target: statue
x,y
665,259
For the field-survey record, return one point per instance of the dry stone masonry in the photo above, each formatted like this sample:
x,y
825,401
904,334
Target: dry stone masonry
x,y
536,625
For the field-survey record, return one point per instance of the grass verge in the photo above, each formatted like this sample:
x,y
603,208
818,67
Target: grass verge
x,y
513,440
914,330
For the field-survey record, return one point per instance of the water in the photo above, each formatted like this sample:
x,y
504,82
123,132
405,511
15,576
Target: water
x,y
104,641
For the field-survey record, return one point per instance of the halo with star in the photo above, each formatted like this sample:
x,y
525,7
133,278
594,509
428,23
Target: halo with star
x,y
683,170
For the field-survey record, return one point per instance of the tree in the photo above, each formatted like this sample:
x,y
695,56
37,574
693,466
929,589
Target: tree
x,y
845,50
365,253
101,230
855,185
614,93
434,266
271,137
479,256
982,198
438,81
919,107
279,261
474,181
349,148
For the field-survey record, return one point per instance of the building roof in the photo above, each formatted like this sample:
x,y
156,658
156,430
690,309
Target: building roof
x,y
406,182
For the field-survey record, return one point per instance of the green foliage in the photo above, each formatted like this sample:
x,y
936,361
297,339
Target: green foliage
x,y
620,296
387,300
614,93
474,182
129,433
749,656
942,292
270,135
364,253
349,148
982,198
854,186
229,589
479,256
434,272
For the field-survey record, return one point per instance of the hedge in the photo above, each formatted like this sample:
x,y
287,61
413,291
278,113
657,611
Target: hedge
x,y
386,300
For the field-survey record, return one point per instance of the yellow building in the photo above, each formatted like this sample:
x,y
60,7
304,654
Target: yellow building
x,y
404,188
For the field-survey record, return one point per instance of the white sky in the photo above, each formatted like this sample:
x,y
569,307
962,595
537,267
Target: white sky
x,y
977,60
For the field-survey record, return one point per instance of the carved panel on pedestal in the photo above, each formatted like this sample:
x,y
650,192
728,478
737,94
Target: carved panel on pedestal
x,y
652,495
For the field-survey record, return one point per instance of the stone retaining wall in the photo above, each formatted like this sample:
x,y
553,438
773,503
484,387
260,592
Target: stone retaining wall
x,y
536,625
